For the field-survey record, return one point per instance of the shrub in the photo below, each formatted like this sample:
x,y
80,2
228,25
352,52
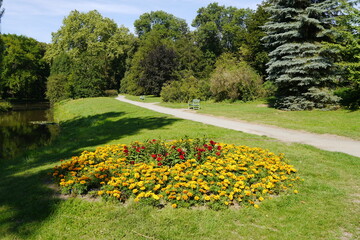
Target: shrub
x,y
57,88
269,89
181,173
5,106
350,97
111,93
184,90
235,80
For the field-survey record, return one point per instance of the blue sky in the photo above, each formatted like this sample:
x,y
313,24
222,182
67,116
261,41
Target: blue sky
x,y
39,18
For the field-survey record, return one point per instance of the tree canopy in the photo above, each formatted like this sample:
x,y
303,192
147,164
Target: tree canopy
x,y
97,49
304,51
164,22
220,29
24,70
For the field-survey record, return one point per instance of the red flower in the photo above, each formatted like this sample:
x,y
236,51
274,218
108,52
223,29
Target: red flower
x,y
138,149
173,147
126,151
159,159
219,148
153,155
179,150
182,157
132,162
154,140
212,142
210,148
217,153
159,164
142,147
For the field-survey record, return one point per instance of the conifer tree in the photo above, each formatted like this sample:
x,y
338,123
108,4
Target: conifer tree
x,y
303,70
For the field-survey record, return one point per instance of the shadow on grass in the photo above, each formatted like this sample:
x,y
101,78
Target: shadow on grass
x,y
25,198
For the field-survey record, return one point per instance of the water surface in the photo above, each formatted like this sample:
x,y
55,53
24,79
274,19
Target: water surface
x,y
18,132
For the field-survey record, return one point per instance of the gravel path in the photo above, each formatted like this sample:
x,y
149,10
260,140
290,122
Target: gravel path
x,y
323,141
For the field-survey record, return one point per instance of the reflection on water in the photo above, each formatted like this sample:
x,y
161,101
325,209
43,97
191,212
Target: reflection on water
x,y
18,134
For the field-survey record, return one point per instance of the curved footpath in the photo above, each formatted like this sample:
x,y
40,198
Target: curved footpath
x,y
326,142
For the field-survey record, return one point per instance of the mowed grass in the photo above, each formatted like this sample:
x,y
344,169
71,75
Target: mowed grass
x,y
341,122
327,206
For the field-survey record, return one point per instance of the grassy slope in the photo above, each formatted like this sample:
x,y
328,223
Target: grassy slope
x,y
326,208
341,122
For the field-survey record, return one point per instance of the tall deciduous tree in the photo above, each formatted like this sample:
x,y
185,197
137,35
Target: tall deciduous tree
x,y
253,50
24,70
220,29
166,52
168,24
302,69
348,43
97,49
159,67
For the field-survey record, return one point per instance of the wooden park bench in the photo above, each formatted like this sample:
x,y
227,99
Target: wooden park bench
x,y
194,104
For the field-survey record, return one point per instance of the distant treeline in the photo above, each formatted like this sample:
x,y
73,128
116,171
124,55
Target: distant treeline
x,y
304,53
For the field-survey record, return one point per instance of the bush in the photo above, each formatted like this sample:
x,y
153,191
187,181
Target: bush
x,y
269,88
350,97
5,106
182,173
57,88
235,80
111,93
185,90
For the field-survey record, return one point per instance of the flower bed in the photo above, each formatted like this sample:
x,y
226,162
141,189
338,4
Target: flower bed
x,y
182,173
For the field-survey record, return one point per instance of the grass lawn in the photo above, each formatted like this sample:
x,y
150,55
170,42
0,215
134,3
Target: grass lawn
x,y
327,206
341,122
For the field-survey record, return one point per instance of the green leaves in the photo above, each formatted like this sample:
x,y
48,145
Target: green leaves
x,y
168,24
91,51
220,29
23,70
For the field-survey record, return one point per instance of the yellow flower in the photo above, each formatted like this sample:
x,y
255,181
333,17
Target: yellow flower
x,y
174,205
296,191
256,206
135,190
196,198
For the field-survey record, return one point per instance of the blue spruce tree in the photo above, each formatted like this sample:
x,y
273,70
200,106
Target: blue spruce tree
x,y
302,69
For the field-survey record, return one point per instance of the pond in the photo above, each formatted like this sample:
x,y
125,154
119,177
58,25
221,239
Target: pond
x,y
24,128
